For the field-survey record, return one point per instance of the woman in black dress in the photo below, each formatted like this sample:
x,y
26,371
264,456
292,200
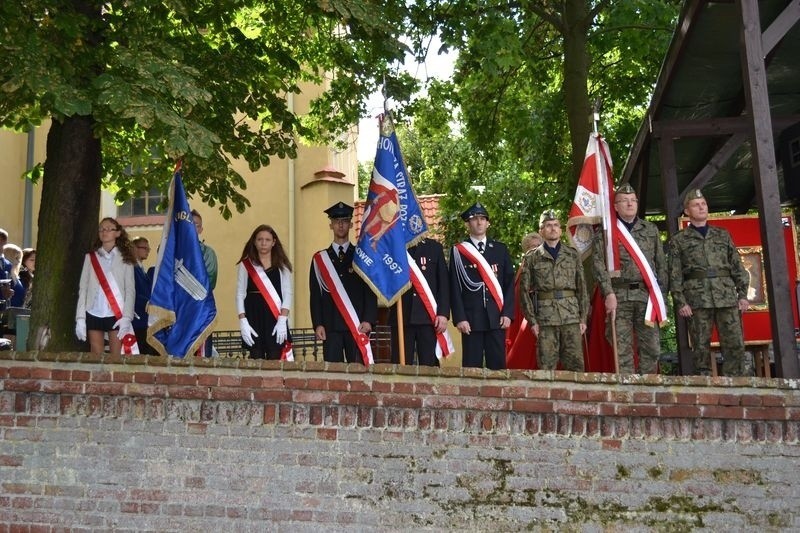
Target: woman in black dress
x,y
264,295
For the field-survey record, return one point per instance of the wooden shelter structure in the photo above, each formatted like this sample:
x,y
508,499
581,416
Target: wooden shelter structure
x,y
728,89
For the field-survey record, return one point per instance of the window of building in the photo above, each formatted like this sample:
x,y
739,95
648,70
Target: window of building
x,y
146,204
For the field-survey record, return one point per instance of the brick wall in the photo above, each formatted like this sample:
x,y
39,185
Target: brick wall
x,y
92,443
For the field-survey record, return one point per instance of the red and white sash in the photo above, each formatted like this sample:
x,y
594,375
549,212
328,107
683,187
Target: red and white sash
x,y
111,290
270,295
444,344
656,312
330,282
485,271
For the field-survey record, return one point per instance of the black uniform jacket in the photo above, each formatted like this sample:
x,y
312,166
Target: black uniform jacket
x,y
429,256
323,309
478,307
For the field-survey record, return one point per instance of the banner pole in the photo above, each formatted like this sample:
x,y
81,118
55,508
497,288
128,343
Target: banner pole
x,y
401,338
614,340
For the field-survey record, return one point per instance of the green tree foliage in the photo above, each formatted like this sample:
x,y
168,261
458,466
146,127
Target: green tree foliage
x,y
528,72
132,86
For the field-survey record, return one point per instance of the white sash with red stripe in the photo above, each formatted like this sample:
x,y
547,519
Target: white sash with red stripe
x,y
330,282
656,312
114,296
444,344
270,295
484,269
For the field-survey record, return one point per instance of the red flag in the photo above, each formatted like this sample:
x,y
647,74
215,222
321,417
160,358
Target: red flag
x,y
520,341
593,200
598,354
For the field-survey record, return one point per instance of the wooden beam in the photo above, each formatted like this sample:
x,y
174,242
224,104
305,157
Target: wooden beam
x,y
780,26
714,164
677,47
767,192
709,127
669,188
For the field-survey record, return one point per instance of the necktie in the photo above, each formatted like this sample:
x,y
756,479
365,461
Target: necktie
x,y
480,247
341,253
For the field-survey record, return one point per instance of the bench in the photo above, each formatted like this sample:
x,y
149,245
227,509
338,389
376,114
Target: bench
x,y
305,345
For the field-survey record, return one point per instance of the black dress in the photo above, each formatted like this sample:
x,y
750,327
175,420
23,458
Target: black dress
x,y
261,319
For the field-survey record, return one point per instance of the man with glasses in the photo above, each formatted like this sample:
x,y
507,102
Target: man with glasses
x,y
210,261
626,296
144,286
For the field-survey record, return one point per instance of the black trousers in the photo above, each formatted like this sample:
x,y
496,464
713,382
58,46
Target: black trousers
x,y
490,345
340,347
419,339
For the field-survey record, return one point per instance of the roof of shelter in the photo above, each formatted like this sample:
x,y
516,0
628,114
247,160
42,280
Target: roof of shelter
x,y
700,89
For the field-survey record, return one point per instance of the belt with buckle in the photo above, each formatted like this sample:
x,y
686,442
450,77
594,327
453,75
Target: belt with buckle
x,y
708,273
555,295
630,285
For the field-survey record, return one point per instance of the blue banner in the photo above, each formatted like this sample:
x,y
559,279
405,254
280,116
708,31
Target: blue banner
x,y
182,309
411,214
392,222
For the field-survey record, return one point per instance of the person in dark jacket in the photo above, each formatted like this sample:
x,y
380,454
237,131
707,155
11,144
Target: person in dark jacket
x,y
335,329
481,292
419,330
144,286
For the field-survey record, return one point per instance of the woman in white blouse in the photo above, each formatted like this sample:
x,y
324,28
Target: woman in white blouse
x,y
106,306
264,295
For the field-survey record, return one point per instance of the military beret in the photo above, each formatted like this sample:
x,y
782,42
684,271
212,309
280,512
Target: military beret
x,y
474,210
547,216
624,188
692,194
340,210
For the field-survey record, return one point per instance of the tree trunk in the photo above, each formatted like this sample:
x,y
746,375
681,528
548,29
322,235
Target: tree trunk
x,y
68,220
576,79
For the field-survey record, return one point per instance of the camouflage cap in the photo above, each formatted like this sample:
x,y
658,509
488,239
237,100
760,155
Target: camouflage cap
x,y
624,188
547,216
692,194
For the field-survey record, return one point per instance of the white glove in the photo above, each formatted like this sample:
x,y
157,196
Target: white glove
x,y
125,327
281,329
122,323
80,328
247,332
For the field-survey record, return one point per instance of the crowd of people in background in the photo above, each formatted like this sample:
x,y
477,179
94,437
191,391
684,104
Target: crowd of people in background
x,y
493,307
17,268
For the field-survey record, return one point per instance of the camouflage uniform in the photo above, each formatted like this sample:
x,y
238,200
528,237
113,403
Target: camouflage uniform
x,y
708,275
632,296
561,305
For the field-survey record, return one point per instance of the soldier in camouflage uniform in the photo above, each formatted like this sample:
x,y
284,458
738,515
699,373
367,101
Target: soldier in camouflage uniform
x,y
554,300
626,296
708,284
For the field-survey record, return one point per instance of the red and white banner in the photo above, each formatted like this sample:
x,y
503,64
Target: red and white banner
x,y
326,273
593,202
114,296
485,270
270,295
444,344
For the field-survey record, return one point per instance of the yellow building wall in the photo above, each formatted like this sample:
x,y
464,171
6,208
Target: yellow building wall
x,y
285,194
13,164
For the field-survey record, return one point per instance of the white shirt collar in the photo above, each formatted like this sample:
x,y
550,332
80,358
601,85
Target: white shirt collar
x,y
102,252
